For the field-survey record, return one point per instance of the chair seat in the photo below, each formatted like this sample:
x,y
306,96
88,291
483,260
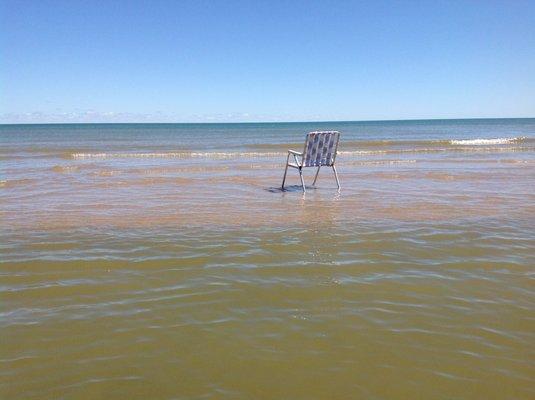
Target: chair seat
x,y
293,165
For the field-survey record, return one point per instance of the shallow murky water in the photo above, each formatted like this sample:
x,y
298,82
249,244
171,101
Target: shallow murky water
x,y
166,269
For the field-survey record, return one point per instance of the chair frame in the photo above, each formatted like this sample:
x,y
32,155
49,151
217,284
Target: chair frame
x,y
300,156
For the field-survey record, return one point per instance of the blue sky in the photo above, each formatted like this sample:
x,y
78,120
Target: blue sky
x,y
181,61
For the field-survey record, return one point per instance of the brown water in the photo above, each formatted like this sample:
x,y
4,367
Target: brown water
x,y
181,274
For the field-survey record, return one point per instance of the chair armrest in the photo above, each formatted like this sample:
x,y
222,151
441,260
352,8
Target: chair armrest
x,y
296,153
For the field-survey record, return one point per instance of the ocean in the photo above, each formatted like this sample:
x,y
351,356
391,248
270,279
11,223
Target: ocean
x,y
163,261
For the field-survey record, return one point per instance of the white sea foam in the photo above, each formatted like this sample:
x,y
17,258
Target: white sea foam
x,y
483,142
261,154
184,154
226,155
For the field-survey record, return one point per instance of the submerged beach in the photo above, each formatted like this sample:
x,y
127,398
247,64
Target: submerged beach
x,y
163,261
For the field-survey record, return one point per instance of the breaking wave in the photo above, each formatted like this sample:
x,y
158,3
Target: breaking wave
x,y
350,148
176,155
483,142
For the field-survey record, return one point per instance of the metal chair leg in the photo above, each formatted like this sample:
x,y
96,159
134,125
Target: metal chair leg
x,y
316,177
336,177
285,171
302,181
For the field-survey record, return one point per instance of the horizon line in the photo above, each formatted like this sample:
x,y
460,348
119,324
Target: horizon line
x,y
260,122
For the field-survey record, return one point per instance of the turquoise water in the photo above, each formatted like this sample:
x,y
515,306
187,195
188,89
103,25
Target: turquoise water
x,y
239,136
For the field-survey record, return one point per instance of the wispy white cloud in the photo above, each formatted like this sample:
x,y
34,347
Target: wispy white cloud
x,y
92,116
86,116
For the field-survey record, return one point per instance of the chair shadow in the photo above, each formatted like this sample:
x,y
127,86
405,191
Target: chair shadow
x,y
289,188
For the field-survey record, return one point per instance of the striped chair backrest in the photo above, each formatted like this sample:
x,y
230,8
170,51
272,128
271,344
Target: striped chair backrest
x,y
320,148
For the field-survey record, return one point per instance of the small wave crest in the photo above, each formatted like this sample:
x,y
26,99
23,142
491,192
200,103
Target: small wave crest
x,y
65,168
350,148
175,155
483,142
